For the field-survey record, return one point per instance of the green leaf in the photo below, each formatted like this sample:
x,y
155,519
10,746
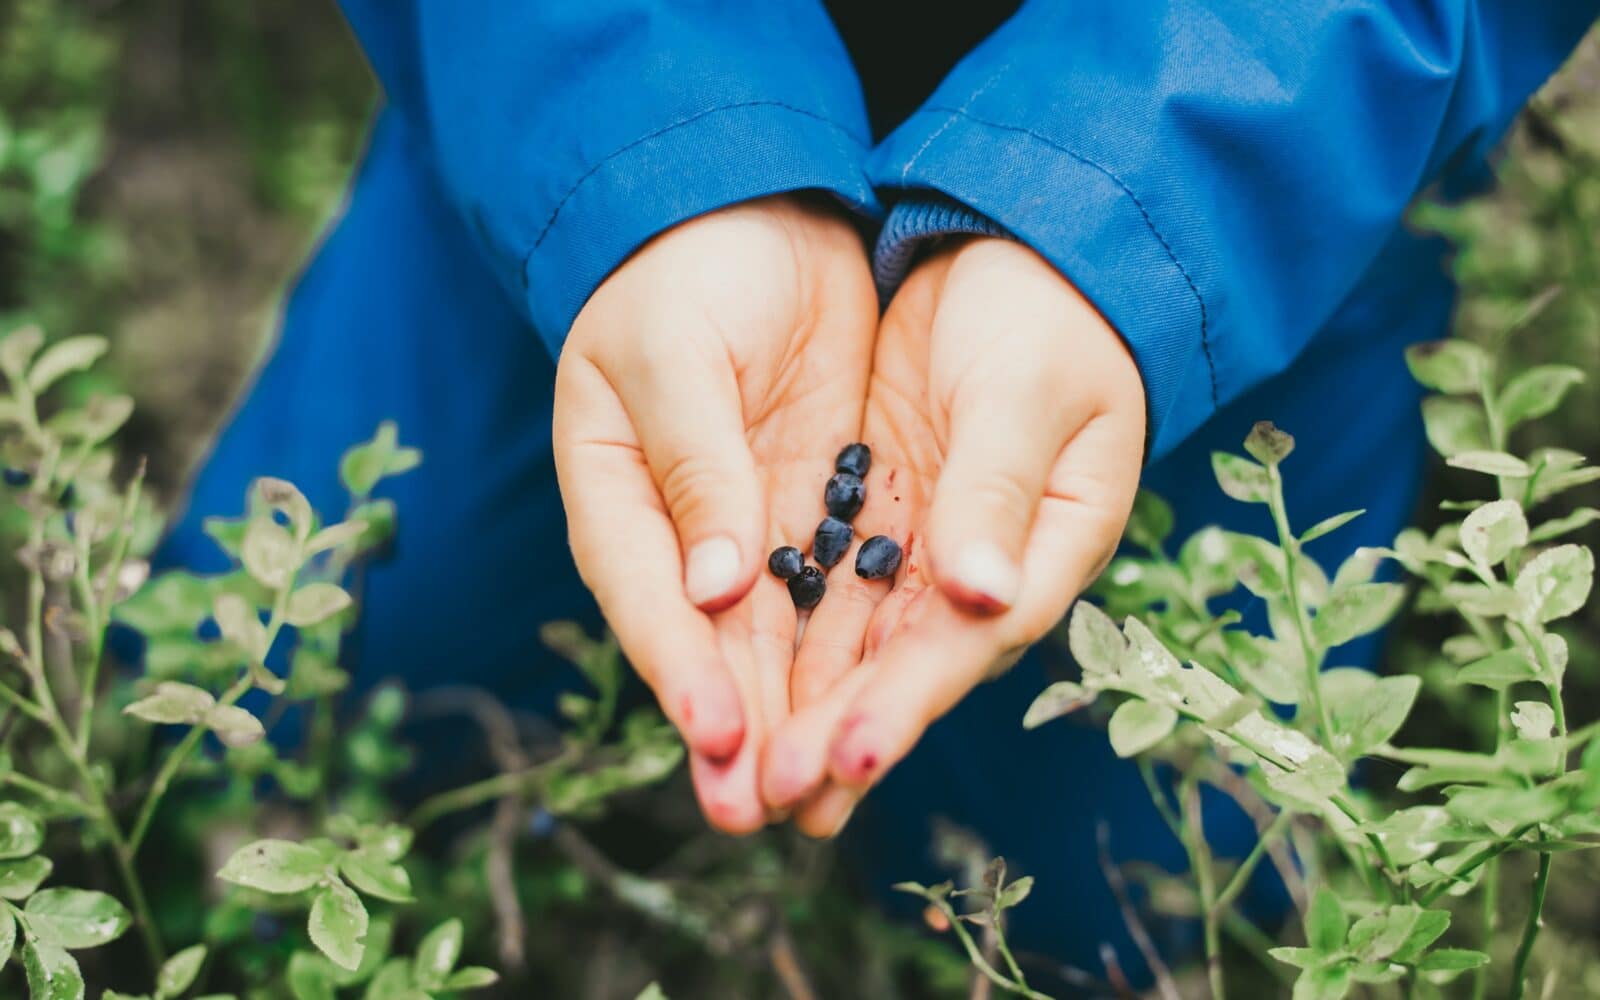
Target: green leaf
x,y
1555,583
240,623
76,918
234,726
52,973
1450,366
1267,444
437,955
1356,611
1494,531
1494,463
1326,922
1580,518
1498,670
1241,478
1060,698
1533,720
1427,929
1455,425
393,982
1096,642
269,553
1151,521
277,866
74,354
311,977
1367,711
95,421
473,977
8,935
315,602
1330,524
172,704
19,878
1300,958
18,348
363,465
651,992
21,830
332,537
1138,725
1536,392
1325,982
1452,960
1380,934
377,876
338,924
178,973
1014,893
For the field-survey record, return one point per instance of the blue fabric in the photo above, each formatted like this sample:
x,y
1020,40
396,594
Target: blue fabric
x,y
1224,179
913,226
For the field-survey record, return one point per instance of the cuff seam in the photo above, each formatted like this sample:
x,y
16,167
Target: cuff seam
x,y
549,223
1205,339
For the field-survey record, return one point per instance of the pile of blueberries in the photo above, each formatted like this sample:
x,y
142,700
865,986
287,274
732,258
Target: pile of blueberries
x,y
878,557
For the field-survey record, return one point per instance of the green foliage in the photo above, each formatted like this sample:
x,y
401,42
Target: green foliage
x,y
1202,693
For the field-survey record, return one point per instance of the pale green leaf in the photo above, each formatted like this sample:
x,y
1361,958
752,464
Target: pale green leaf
x,y
18,348
1096,642
234,726
1325,922
1356,611
19,878
1556,582
1555,528
1330,524
1138,725
1455,425
269,553
1536,392
8,935
172,703
74,354
1494,463
314,603
375,875
1241,478
76,918
338,924
1151,521
1498,670
52,973
21,830
437,955
277,866
1450,366
1367,711
472,977
1267,444
1533,720
178,973
1060,698
1494,531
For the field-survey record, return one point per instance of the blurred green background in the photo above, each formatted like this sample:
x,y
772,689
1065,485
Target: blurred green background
x,y
167,165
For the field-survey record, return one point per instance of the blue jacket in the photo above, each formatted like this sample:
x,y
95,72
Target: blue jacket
x,y
1216,176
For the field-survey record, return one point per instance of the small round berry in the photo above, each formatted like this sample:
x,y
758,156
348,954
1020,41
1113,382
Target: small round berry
x,y
844,495
807,587
785,562
833,537
855,459
16,478
878,557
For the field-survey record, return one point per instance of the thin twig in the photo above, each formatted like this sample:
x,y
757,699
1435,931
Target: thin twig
x,y
786,964
1165,984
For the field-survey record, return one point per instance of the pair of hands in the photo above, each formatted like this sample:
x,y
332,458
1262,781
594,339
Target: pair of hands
x,y
700,400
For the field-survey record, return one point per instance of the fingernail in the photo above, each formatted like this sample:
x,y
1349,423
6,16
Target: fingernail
x,y
838,827
988,572
712,569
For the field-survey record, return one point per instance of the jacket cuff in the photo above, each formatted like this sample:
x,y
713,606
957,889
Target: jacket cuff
x,y
708,161
914,225
1084,220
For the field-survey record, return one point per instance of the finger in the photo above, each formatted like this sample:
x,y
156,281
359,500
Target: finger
x,y
927,666
835,632
827,811
624,545
1006,430
687,413
758,639
794,763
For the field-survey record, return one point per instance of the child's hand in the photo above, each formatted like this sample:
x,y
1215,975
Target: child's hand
x,y
1007,423
699,402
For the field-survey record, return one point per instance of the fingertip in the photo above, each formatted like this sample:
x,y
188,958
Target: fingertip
x,y
788,773
726,794
980,577
858,754
712,720
715,576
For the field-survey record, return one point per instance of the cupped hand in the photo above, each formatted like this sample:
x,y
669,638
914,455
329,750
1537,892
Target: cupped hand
x,y
699,401
1007,422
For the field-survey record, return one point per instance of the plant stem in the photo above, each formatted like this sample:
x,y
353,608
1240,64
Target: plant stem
x,y
1147,772
1477,860
467,796
1247,867
98,607
1206,877
173,762
1302,618
1530,930
975,956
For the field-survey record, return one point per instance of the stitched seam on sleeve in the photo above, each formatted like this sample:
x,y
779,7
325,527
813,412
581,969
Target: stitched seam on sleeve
x,y
544,230
1205,338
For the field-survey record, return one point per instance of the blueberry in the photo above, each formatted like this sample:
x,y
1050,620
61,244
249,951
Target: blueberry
x,y
855,459
785,562
807,587
16,478
878,557
833,537
844,495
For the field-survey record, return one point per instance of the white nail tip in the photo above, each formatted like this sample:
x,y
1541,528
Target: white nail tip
x,y
984,569
713,568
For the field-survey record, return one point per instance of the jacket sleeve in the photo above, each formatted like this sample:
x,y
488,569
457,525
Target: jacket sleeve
x,y
1215,175
569,132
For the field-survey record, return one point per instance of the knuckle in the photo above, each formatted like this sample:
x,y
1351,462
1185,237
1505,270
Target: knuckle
x,y
695,489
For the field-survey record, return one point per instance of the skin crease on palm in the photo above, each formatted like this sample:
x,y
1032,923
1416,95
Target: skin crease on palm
x,y
703,394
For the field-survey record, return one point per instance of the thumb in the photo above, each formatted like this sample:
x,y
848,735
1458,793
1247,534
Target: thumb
x,y
689,419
